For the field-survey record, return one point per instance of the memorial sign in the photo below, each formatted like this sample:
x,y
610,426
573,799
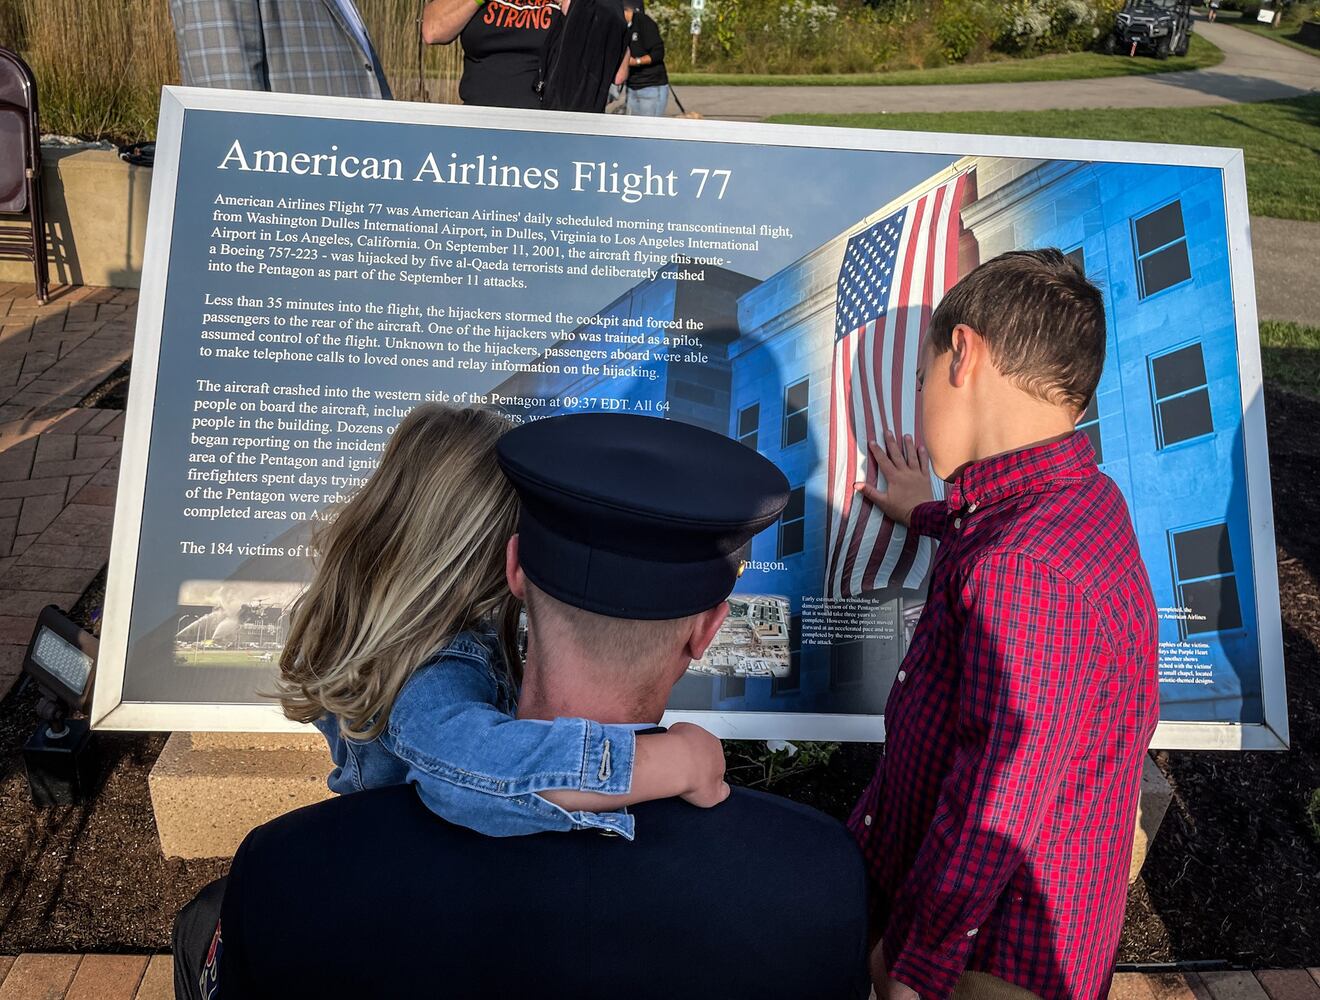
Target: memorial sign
x,y
316,267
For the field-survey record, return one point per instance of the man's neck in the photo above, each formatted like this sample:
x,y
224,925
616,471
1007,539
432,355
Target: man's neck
x,y
559,688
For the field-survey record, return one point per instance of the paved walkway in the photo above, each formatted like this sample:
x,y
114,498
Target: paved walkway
x,y
87,977
137,977
58,461
1254,69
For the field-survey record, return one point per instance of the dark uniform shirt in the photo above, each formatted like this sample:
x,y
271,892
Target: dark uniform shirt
x,y
371,895
644,39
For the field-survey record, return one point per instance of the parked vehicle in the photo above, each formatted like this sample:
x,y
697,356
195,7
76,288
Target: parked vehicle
x,y
1155,27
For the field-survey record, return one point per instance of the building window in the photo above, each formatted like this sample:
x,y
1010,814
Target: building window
x,y
1089,424
733,686
783,685
796,398
1078,257
1161,240
749,420
1181,396
1205,580
792,523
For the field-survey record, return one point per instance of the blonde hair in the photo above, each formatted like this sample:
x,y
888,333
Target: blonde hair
x,y
413,559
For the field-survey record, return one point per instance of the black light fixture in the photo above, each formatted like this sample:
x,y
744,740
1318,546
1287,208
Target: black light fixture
x,y
61,660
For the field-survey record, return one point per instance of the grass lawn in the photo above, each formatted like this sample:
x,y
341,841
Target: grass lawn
x,y
1281,138
222,658
1287,35
1073,66
1290,357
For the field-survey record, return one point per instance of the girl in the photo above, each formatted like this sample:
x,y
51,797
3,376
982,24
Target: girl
x,y
403,652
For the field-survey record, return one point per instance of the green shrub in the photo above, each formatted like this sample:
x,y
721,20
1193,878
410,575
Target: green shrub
x,y
965,27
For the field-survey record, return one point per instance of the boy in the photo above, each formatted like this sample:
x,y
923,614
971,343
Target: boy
x,y
998,828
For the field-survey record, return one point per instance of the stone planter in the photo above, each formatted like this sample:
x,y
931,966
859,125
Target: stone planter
x,y
96,219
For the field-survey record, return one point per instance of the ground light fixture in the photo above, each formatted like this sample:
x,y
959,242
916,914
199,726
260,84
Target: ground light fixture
x,y
61,660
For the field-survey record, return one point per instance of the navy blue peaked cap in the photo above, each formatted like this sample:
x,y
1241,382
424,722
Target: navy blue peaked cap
x,y
636,517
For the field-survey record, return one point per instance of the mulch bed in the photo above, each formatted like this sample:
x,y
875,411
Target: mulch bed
x,y
1234,875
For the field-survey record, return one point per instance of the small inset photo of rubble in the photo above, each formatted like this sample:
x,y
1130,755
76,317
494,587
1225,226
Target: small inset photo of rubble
x,y
752,642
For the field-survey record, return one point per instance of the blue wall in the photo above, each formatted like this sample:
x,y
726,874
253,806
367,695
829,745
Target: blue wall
x,y
1196,482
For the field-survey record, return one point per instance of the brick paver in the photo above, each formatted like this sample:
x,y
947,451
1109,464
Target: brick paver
x,y
158,982
108,977
1289,984
1233,986
1177,986
39,977
1131,986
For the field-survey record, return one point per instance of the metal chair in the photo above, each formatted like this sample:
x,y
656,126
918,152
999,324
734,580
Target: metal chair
x,y
20,168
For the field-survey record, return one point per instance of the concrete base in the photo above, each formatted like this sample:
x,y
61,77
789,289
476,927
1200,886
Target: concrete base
x,y
96,219
209,789
1156,794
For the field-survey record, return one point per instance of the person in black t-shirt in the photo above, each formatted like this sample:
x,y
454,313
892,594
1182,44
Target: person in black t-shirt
x,y
648,83
505,58
502,44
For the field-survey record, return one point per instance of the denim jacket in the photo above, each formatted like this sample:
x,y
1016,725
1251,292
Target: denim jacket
x,y
452,735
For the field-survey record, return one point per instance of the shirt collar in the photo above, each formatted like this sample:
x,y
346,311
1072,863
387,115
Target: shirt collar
x,y
1021,471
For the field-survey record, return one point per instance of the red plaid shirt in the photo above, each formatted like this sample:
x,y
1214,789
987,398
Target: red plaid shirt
x,y
998,828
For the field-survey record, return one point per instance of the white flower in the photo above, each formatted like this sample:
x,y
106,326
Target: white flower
x,y
780,746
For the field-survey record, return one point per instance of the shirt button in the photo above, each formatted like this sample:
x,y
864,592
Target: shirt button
x,y
973,932
867,819
971,508
957,522
902,676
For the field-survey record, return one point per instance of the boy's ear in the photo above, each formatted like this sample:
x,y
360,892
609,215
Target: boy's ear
x,y
513,572
968,353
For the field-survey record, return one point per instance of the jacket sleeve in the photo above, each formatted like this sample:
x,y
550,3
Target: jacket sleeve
x,y
655,44
221,43
1026,648
476,766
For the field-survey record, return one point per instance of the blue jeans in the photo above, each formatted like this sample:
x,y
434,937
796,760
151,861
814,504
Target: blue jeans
x,y
649,101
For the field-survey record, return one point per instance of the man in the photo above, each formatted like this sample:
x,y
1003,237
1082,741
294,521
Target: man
x,y
282,46
648,81
627,548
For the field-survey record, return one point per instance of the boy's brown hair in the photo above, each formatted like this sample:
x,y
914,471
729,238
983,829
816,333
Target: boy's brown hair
x,y
1043,322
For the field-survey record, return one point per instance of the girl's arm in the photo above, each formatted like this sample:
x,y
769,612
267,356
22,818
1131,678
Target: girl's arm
x,y
685,762
475,765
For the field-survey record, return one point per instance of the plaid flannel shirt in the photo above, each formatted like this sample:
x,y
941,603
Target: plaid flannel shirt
x,y
998,828
283,46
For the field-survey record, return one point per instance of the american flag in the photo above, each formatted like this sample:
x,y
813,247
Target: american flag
x,y
893,276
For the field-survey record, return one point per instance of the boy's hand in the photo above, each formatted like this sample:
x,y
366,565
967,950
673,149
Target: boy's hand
x,y
905,469
705,756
